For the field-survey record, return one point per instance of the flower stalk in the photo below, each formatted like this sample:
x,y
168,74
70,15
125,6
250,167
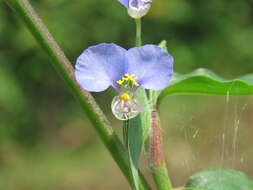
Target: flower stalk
x,y
138,41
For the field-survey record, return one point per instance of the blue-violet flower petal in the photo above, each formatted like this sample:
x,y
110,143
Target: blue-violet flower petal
x,y
124,2
152,65
100,66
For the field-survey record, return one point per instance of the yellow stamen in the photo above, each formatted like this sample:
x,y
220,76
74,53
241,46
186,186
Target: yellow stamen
x,y
128,78
125,96
136,84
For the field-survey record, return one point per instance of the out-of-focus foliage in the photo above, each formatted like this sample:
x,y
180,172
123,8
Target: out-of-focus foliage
x,y
219,179
36,109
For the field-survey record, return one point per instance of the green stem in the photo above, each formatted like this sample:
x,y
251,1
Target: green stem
x,y
138,41
160,176
156,160
135,122
65,69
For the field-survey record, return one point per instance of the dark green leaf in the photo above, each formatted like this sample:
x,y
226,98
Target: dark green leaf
x,y
219,179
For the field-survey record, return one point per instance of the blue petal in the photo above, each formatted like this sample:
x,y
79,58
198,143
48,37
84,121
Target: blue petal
x,y
152,65
100,66
124,2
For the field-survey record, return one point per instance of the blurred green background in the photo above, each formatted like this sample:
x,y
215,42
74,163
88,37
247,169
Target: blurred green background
x,y
46,140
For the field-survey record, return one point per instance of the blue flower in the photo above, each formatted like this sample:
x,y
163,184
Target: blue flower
x,y
104,65
137,8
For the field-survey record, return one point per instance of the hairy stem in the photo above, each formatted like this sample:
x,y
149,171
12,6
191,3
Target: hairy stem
x,y
65,69
156,158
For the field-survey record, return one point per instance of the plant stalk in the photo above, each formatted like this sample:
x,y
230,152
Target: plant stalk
x,y
65,69
138,41
156,158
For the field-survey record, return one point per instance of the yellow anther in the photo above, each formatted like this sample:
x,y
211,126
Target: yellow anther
x,y
125,96
120,82
135,83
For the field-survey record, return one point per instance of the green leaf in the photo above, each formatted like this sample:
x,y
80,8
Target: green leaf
x,y
139,126
219,179
134,145
203,81
145,115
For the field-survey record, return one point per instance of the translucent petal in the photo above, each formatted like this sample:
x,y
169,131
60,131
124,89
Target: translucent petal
x,y
125,109
138,8
152,65
100,66
147,1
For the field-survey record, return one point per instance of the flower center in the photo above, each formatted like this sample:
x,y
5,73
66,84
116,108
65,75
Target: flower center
x,y
125,105
128,82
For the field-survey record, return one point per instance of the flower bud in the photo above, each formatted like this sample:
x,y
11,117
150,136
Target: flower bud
x,y
138,8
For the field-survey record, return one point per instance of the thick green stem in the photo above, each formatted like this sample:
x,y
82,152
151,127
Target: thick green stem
x,y
156,160
65,69
160,176
138,41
